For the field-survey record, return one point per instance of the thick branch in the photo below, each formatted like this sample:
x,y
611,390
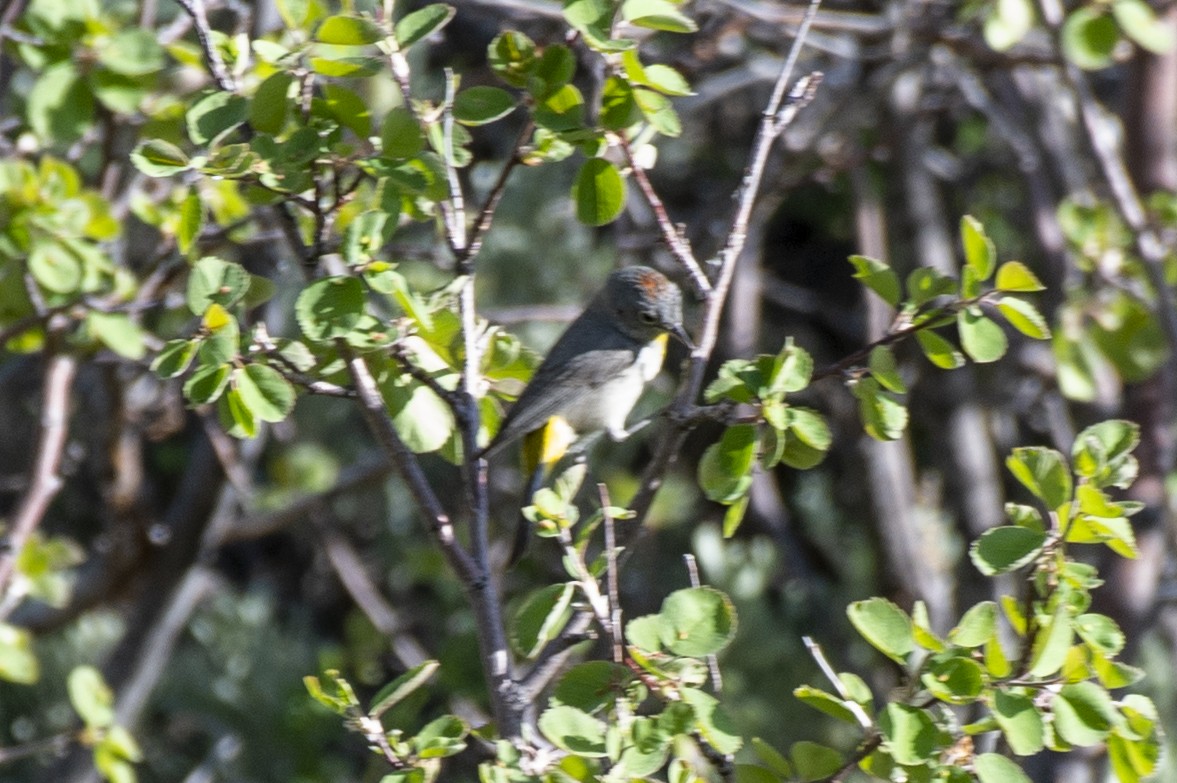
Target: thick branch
x,y
45,482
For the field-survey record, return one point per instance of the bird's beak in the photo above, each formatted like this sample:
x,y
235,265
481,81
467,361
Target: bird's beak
x,y
681,335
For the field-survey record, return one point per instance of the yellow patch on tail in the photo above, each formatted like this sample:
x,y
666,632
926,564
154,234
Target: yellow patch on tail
x,y
545,446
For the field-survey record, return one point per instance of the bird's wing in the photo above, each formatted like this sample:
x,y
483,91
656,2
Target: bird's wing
x,y
557,383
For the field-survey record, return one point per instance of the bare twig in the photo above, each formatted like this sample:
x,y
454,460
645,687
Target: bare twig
x,y
611,575
777,116
712,661
45,481
672,235
212,57
57,744
819,657
353,575
372,407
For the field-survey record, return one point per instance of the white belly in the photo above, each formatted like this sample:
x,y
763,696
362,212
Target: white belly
x,y
611,405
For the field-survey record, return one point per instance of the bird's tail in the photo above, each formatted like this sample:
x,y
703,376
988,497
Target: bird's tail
x,y
542,449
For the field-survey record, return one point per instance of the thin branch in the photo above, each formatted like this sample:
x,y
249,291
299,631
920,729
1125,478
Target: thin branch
x,y
486,215
712,661
212,57
775,119
45,481
611,575
819,657
57,744
672,235
406,464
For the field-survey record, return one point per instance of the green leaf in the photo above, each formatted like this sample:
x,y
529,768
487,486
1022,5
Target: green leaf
x,y
885,370
441,738
90,697
884,625
994,768
1020,722
1042,471
697,621
939,351
264,391
980,337
59,107
541,617
207,384
294,12
555,68
330,308
1103,453
599,192
362,239
909,732
713,723
1051,644
174,359
1024,317
214,116
925,284
132,52
645,632
349,67
191,222
562,110
658,111
18,662
619,110
878,277
772,758
734,516
120,742
235,416
512,56
344,30
1089,37
215,281
1007,548
593,685
422,23
883,417
158,158
396,691
724,471
1101,634
1140,23
270,104
347,108
813,761
1016,277
657,15
1083,713
976,627
808,439
954,680
118,333
482,105
400,135
423,420
574,731
828,703
979,252
54,267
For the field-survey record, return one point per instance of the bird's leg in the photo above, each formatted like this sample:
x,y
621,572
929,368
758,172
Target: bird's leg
x,y
636,427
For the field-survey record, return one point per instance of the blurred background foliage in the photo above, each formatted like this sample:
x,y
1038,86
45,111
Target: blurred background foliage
x,y
929,110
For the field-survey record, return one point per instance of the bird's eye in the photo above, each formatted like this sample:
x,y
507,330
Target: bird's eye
x,y
648,318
